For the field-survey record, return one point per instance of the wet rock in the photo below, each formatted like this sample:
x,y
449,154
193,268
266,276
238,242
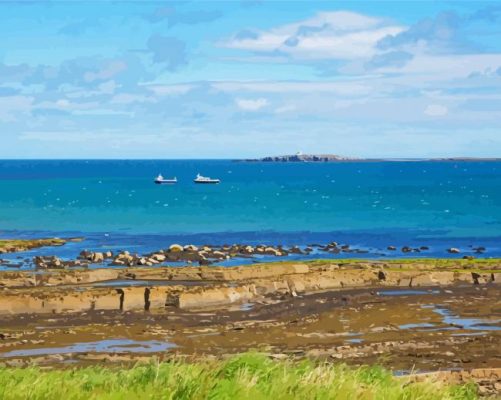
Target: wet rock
x,y
272,251
123,259
48,262
468,257
158,257
295,250
86,254
406,249
247,250
391,248
424,248
97,257
453,250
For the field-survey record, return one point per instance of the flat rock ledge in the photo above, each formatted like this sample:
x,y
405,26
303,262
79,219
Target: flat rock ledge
x,y
205,287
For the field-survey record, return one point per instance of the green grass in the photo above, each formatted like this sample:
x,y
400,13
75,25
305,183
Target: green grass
x,y
248,376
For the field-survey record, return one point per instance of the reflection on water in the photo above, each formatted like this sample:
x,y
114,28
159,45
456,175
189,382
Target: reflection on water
x,y
406,292
102,346
467,323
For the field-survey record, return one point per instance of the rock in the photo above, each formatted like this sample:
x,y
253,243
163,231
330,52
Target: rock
x,y
48,262
108,254
453,250
97,257
406,249
218,254
391,248
190,247
423,248
86,254
468,257
123,259
295,250
176,248
247,250
272,251
158,257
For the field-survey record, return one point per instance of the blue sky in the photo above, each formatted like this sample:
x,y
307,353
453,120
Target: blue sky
x,y
225,79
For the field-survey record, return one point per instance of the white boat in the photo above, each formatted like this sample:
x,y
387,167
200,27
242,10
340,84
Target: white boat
x,y
159,180
204,179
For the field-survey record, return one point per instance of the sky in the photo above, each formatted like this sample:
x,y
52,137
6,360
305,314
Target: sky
x,y
237,79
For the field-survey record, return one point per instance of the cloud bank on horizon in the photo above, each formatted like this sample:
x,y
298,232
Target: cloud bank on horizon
x,y
247,78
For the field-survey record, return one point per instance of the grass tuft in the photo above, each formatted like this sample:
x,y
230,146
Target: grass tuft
x,y
248,376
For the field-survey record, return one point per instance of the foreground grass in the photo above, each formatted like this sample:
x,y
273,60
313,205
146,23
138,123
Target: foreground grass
x,y
248,376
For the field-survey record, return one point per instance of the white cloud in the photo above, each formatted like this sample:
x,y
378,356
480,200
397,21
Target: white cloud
x,y
339,35
251,104
12,105
436,110
129,98
347,87
167,90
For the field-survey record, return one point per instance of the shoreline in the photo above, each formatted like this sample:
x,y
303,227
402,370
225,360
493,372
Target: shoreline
x,y
100,251
406,315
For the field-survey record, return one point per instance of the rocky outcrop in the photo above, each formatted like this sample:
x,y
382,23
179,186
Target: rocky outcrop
x,y
16,245
303,158
43,292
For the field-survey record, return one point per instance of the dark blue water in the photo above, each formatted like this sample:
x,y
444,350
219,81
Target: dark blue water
x,y
370,204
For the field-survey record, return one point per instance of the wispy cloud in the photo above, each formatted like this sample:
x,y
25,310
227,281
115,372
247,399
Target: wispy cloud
x,y
251,104
328,35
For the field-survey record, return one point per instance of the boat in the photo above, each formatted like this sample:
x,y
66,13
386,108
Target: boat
x,y
159,180
205,179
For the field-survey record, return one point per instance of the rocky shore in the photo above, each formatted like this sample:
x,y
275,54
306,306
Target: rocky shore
x,y
17,245
204,255
408,315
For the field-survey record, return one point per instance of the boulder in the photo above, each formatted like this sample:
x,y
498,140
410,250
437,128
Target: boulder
x,y
86,254
247,250
190,247
48,262
175,248
391,248
272,251
97,257
295,250
219,255
158,257
453,250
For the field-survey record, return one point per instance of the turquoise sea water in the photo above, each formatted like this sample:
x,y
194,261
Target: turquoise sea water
x,y
371,203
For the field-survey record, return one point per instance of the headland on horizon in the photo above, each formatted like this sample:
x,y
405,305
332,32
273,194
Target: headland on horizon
x,y
300,157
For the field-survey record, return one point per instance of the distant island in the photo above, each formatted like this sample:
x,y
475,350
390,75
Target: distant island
x,y
300,157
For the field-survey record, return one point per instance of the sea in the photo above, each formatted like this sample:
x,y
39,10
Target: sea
x,y
114,204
